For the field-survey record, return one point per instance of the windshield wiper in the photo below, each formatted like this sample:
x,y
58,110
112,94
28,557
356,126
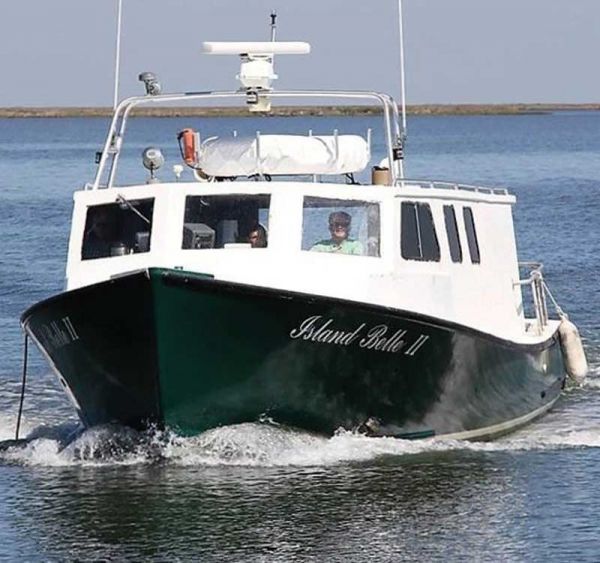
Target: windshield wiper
x,y
123,201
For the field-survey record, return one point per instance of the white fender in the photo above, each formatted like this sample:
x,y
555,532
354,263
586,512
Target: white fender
x,y
573,353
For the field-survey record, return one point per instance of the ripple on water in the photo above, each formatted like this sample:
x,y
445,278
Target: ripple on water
x,y
270,445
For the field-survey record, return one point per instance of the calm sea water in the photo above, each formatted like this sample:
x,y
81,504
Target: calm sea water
x,y
260,493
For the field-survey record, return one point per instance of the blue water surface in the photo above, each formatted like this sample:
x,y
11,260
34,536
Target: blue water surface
x,y
256,493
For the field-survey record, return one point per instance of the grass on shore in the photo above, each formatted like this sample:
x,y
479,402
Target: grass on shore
x,y
286,111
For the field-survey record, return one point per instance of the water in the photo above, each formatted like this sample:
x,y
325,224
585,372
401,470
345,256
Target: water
x,y
258,492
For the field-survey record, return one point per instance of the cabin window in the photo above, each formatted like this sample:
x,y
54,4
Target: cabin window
x,y
452,232
418,237
117,229
471,235
341,226
226,221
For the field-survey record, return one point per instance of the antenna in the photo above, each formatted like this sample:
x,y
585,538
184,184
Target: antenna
x,y
118,53
402,135
273,30
402,82
273,25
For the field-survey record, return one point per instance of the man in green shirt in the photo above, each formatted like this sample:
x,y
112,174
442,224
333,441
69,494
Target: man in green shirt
x,y
339,227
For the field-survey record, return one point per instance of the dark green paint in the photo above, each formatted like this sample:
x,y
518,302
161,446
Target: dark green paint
x,y
194,353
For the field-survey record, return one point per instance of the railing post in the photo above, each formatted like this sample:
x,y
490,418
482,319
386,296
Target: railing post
x,y
258,156
536,305
543,300
538,293
337,145
539,300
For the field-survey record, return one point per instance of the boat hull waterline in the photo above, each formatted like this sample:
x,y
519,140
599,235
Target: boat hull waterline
x,y
188,352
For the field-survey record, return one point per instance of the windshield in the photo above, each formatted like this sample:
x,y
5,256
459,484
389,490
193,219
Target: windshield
x,y
340,226
224,221
117,229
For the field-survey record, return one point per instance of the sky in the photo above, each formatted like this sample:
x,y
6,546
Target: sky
x,y
61,52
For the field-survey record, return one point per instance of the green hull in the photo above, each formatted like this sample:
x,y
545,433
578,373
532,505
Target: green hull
x,y
192,353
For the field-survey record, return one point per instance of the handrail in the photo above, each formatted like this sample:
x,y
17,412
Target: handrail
x,y
112,145
437,184
538,291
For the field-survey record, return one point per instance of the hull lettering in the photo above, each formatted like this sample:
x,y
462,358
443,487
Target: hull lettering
x,y
380,338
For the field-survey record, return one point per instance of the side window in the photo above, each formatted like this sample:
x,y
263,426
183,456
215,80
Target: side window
x,y
452,232
341,226
471,235
117,229
418,237
226,221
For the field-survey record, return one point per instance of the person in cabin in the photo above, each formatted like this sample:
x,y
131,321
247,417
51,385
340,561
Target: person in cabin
x,y
340,241
99,237
257,237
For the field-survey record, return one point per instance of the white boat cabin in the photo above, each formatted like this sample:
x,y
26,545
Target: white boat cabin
x,y
443,252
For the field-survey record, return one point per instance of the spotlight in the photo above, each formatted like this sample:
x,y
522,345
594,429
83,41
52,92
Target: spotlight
x,y
153,159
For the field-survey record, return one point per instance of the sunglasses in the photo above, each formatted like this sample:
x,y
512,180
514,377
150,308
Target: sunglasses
x,y
338,225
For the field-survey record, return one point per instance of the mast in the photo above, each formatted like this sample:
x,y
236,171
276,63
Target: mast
x,y
402,139
402,80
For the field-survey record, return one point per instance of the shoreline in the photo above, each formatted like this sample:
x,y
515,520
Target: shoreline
x,y
298,111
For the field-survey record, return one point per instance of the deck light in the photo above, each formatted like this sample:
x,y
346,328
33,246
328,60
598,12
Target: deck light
x,y
151,83
153,159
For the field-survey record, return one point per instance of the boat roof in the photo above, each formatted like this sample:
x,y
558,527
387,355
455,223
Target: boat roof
x,y
415,189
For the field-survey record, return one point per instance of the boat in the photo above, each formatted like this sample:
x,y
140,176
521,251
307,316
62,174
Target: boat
x,y
298,279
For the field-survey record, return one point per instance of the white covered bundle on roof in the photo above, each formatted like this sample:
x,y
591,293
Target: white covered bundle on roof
x,y
284,155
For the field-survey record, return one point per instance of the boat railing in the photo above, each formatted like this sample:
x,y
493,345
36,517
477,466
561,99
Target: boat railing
x,y
109,157
535,281
435,184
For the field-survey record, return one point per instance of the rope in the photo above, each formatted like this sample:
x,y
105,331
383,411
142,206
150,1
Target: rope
x,y
560,312
22,388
